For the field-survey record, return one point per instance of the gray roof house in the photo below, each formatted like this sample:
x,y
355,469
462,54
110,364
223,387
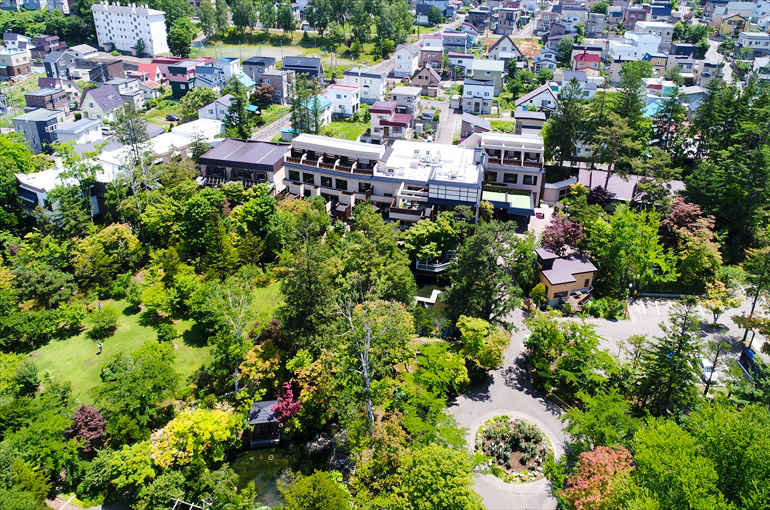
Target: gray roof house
x,y
265,429
312,67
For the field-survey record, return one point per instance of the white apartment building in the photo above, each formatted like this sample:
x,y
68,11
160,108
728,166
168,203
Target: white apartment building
x,y
122,26
634,46
659,28
406,57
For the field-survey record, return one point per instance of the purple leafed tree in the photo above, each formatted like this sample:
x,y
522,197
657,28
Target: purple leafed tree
x,y
286,407
599,196
561,234
88,427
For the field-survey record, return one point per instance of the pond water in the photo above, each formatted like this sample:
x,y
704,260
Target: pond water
x,y
262,468
425,288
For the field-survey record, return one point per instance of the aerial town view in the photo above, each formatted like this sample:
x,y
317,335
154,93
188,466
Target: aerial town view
x,y
385,255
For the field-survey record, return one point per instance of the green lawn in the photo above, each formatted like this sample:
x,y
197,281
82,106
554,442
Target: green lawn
x,y
165,106
77,360
503,126
273,113
345,130
16,96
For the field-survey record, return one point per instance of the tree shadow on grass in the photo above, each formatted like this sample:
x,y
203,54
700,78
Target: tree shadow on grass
x,y
150,319
195,337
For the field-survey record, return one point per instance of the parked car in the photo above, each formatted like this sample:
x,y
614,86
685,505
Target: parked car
x,y
707,370
107,130
172,118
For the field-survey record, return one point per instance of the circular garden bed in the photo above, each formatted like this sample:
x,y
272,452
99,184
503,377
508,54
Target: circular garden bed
x,y
517,448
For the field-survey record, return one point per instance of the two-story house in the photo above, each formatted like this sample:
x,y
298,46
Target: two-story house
x,y
505,49
595,24
209,76
431,56
345,99
543,98
478,96
386,124
246,161
39,128
515,167
53,99
310,67
80,131
280,80
371,83
405,58
256,66
230,67
45,44
14,41
14,64
507,20
428,80
471,124
757,42
217,109
659,28
563,277
407,99
633,15
460,64
659,62
458,42
58,64
101,103
181,77
486,70
479,18
590,63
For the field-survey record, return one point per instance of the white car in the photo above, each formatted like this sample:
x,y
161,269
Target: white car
x,y
706,371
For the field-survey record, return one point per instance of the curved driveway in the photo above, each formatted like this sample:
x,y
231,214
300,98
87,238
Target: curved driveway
x,y
508,391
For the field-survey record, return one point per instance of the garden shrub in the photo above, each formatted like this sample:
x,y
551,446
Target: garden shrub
x,y
103,322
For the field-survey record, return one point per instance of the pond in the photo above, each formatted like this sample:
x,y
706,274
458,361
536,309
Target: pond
x,y
262,468
425,288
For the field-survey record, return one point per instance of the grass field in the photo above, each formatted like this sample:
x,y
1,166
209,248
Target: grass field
x,y
157,115
345,130
77,360
15,95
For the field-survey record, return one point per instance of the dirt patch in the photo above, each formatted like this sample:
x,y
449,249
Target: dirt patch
x,y
528,47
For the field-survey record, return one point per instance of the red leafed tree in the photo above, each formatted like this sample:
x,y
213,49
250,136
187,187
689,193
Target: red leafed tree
x,y
88,426
592,484
286,407
561,234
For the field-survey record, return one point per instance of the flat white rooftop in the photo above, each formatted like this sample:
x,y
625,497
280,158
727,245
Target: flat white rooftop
x,y
419,161
338,147
528,142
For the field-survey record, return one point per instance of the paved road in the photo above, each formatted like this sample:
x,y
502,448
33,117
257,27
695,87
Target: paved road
x,y
508,391
449,124
272,130
712,55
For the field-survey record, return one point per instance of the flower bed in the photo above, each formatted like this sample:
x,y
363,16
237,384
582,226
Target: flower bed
x,y
517,448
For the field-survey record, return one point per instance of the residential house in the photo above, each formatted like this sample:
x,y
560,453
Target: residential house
x,y
659,62
69,87
84,51
557,33
387,125
407,99
461,64
732,25
121,27
432,41
230,66
61,5
256,66
479,18
684,49
458,42
406,58
431,56
310,67
323,107
761,69
371,83
100,72
346,100
469,29
744,9
129,89
544,22
14,41
528,123
633,15
571,275
472,124
45,44
587,87
634,46
478,96
761,10
80,131
712,6
507,20
209,76
595,24
407,182
53,99
280,80
421,15
39,128
614,15
572,16
660,12
101,103
541,62
246,81
14,64
505,49
543,98
757,42
659,28
181,77
485,70
246,161
150,89
58,64
428,80
217,109
515,174
590,63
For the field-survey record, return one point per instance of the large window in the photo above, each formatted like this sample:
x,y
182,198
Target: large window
x,y
293,175
363,187
308,178
342,184
326,181
490,176
511,178
530,180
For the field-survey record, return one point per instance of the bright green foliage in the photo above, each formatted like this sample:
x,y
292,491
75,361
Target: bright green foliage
x,y
436,477
103,322
482,343
285,17
48,287
604,419
15,157
561,132
207,16
131,466
318,14
198,438
196,99
238,118
180,37
166,487
101,256
257,212
670,466
244,14
318,491
440,370
428,240
669,370
601,7
267,14
482,285
537,294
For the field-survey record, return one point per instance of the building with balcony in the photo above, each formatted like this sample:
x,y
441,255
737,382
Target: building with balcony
x,y
247,161
485,70
387,125
505,49
310,67
407,99
230,66
634,46
101,103
461,64
431,56
407,182
543,98
58,64
53,99
757,42
280,80
567,279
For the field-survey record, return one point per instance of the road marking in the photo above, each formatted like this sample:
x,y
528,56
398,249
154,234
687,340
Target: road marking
x,y
701,312
656,307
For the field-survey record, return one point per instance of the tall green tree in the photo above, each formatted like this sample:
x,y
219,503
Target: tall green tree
x,y
562,130
670,369
237,119
174,9
305,106
267,14
492,268
180,37
319,13
221,18
207,15
244,14
615,145
285,18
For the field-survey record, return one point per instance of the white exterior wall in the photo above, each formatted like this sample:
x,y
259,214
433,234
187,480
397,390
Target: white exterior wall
x,y
229,69
87,136
213,111
371,88
544,98
480,91
405,63
754,40
124,26
344,101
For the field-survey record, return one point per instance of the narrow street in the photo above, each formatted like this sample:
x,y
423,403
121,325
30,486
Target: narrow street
x,y
448,125
712,55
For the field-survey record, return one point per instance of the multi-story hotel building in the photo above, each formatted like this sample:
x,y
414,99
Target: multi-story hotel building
x,y
122,26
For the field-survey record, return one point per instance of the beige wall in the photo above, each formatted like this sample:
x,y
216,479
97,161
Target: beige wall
x,y
567,287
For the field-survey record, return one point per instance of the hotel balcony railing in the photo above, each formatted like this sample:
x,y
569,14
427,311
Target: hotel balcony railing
x,y
290,159
432,267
